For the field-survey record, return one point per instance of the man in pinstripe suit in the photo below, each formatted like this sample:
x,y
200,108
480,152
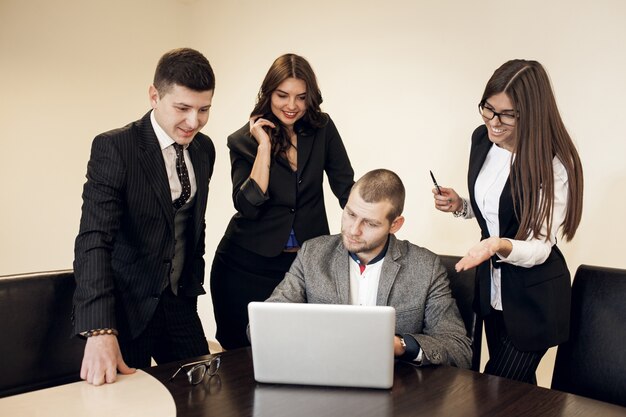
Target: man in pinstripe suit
x,y
139,263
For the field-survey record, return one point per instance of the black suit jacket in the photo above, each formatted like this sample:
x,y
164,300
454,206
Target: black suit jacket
x,y
124,249
293,200
535,301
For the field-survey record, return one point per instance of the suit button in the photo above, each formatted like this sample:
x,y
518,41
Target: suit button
x,y
293,210
300,181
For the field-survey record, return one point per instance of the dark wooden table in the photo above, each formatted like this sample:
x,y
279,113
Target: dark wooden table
x,y
428,391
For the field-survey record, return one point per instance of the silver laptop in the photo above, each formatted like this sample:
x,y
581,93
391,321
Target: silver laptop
x,y
322,344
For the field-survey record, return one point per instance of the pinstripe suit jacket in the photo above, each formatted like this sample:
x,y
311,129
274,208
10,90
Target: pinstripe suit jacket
x,y
412,280
124,249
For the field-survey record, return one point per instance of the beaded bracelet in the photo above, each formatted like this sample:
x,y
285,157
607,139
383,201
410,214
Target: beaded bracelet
x,y
100,332
463,211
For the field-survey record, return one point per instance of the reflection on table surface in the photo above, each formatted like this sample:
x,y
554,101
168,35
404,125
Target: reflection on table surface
x,y
429,391
282,400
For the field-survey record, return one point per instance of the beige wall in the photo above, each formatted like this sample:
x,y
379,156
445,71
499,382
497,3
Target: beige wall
x,y
401,79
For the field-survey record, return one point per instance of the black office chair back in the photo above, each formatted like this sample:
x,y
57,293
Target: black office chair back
x,y
36,349
462,286
593,362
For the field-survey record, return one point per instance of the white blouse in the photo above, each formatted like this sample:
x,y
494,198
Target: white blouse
x,y
487,190
169,156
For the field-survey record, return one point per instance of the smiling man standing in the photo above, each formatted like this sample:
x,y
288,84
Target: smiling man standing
x,y
139,263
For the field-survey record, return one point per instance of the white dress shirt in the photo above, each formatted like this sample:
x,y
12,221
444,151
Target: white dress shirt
x,y
169,156
364,286
487,190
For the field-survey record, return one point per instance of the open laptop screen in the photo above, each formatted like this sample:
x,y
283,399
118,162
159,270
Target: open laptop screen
x,y
322,344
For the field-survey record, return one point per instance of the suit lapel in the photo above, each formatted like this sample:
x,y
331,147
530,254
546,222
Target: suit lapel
x,y
479,152
305,145
201,170
388,272
151,159
477,159
341,273
506,213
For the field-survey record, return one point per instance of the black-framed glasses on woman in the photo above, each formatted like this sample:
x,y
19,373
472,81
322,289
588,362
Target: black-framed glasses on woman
x,y
199,369
508,117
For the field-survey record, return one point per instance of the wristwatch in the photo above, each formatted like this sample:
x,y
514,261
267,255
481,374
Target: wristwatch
x,y
402,342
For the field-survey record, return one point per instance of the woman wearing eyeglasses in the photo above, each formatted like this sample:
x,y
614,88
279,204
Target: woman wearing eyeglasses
x,y
525,183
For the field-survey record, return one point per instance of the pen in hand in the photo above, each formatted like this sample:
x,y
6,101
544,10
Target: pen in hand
x,y
435,182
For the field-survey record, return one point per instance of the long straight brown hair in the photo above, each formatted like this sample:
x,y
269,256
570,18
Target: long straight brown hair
x,y
289,66
540,136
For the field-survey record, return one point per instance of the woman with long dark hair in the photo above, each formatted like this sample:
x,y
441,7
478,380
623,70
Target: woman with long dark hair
x,y
525,183
278,162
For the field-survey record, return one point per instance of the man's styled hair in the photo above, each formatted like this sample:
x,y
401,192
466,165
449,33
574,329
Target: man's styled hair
x,y
185,67
380,185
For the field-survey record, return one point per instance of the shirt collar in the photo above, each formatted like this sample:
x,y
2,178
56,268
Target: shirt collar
x,y
164,139
376,258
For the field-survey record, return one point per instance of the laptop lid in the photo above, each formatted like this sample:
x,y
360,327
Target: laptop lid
x,y
322,344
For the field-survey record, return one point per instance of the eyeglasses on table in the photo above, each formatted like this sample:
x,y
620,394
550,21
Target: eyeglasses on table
x,y
199,369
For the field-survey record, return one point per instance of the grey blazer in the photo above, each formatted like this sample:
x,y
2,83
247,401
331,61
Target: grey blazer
x,y
412,280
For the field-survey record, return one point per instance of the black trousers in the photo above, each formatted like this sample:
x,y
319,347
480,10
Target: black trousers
x,y
238,277
506,360
174,334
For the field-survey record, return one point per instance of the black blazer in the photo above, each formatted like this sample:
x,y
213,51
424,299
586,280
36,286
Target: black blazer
x,y
293,200
124,249
536,300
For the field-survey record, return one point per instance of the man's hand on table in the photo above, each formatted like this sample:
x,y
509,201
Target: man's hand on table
x,y
102,360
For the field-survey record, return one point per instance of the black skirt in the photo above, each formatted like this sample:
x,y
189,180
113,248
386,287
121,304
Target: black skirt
x,y
238,277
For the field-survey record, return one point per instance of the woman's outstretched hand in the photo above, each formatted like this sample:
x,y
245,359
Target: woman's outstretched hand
x,y
484,250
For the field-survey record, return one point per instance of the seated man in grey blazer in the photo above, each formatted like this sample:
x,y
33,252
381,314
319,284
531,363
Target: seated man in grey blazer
x,y
367,265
